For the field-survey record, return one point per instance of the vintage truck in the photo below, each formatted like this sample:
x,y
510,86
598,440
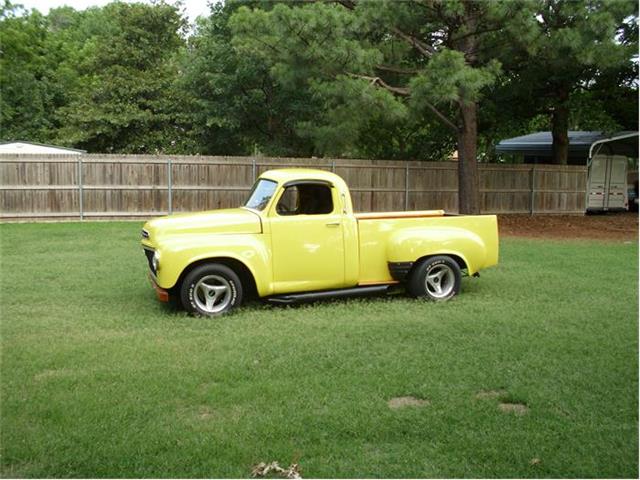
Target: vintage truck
x,y
297,238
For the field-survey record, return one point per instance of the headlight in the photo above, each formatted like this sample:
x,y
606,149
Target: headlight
x,y
156,261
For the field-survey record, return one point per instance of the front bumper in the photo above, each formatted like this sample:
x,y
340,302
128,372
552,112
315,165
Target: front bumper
x,y
161,293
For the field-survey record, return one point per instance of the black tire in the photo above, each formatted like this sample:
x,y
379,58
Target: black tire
x,y
435,278
210,290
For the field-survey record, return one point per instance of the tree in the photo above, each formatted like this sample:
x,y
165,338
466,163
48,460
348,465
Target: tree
x,y
351,78
581,51
422,56
104,79
25,100
126,97
239,106
236,106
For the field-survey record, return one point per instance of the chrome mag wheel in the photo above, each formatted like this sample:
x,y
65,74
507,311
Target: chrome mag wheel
x,y
212,294
440,281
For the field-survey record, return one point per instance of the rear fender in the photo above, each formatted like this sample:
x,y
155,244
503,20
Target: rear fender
x,y
411,244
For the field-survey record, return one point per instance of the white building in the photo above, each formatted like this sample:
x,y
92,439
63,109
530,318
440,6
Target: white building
x,y
30,148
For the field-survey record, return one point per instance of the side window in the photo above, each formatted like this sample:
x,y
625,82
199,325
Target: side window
x,y
304,199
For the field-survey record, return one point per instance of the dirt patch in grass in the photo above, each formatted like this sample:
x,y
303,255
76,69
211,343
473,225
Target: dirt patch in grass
x,y
483,394
619,227
517,408
205,413
196,415
401,402
52,374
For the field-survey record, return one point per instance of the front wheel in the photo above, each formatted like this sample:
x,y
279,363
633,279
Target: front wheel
x,y
211,289
436,278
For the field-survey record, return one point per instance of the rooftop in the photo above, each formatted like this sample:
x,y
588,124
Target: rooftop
x,y
580,143
20,147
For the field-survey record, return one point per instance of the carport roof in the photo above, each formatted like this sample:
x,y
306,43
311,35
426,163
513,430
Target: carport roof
x,y
580,142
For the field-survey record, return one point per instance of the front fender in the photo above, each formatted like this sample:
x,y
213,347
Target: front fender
x,y
410,244
176,254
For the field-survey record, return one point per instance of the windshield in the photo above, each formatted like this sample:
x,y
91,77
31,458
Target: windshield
x,y
261,194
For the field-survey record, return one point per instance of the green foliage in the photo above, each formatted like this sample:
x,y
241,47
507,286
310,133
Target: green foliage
x,y
316,41
236,105
103,79
338,55
319,78
126,98
449,79
307,51
337,130
25,84
580,58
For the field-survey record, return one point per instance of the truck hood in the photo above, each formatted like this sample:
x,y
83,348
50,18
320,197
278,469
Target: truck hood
x,y
227,221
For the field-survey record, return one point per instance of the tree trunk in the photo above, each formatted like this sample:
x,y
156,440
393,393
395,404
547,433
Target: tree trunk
x,y
468,178
468,195
560,131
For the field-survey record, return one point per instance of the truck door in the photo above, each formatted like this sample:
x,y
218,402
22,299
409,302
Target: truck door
x,y
307,238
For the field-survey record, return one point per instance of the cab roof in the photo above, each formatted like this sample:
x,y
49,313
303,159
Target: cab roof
x,y
284,175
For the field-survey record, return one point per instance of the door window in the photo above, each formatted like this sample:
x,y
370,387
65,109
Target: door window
x,y
305,199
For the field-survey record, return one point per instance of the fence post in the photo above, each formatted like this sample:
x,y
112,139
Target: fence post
x,y
253,168
170,187
532,196
80,188
406,188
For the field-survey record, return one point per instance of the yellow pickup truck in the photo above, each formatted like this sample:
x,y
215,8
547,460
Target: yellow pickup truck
x,y
297,238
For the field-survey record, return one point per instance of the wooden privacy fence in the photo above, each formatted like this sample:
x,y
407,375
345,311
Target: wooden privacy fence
x,y
129,186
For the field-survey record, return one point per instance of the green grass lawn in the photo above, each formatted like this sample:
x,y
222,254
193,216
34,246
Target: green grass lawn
x,y
100,380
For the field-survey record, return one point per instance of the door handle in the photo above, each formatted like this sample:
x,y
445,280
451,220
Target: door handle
x,y
336,224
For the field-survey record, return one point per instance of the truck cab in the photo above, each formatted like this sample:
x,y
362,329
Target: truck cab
x,y
311,229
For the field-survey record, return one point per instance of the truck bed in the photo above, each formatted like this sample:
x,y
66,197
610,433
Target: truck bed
x,y
376,229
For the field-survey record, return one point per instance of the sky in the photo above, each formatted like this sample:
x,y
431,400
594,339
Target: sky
x,y
192,8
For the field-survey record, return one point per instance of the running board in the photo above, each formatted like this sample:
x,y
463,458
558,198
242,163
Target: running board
x,y
342,292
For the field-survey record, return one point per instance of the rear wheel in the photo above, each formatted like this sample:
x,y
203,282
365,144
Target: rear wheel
x,y
436,278
211,289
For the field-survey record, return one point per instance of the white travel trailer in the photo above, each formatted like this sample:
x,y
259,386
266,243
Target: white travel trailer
x,y
607,183
607,188
607,158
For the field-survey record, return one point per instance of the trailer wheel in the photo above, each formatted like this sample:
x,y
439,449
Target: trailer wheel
x,y
436,278
211,289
